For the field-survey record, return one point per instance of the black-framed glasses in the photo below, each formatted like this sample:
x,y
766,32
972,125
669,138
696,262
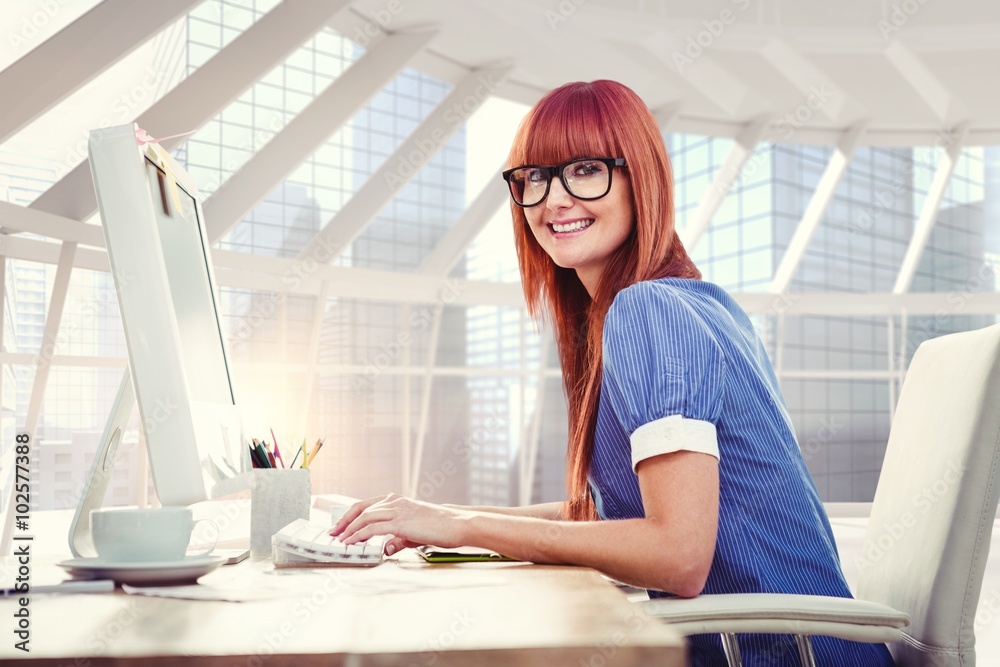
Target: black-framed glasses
x,y
584,178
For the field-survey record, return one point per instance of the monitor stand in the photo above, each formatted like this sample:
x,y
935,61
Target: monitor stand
x,y
80,540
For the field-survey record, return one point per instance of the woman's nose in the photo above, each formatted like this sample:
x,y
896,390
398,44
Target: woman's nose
x,y
558,197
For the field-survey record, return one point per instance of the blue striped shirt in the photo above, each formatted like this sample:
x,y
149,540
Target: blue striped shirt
x,y
685,369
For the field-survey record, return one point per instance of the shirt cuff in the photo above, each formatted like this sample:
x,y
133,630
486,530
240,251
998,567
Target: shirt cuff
x,y
672,434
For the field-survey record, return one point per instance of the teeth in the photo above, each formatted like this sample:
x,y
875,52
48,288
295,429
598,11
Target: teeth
x,y
573,226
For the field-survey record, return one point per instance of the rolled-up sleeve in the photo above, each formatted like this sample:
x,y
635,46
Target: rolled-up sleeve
x,y
663,372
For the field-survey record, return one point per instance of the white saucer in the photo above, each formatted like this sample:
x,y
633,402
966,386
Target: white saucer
x,y
153,572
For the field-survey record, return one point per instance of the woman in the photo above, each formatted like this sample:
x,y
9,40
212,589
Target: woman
x,y
678,430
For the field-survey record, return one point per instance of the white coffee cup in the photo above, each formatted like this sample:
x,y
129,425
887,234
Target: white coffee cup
x,y
142,535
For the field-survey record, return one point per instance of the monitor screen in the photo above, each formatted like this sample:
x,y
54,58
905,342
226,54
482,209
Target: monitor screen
x,y
190,289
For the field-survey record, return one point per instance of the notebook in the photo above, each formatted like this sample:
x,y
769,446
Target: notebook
x,y
434,554
303,543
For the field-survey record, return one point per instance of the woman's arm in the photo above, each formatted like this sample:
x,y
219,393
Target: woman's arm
x,y
550,511
671,549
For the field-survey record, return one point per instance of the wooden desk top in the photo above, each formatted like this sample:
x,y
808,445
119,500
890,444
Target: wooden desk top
x,y
403,612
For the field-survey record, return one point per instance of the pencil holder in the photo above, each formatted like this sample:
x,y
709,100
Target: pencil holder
x,y
279,496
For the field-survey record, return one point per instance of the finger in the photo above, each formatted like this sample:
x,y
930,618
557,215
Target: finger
x,y
353,512
398,544
368,517
393,545
369,531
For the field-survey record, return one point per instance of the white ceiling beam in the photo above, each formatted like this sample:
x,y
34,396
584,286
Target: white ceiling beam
x,y
416,460
667,115
875,304
312,354
945,105
725,177
397,170
588,16
400,370
443,256
889,137
25,219
634,51
358,27
718,85
277,275
47,252
65,360
206,92
813,215
928,214
280,276
78,53
342,99
612,20
547,43
705,75
815,84
50,338
527,484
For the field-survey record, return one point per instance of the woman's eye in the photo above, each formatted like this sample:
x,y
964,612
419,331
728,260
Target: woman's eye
x,y
535,176
584,169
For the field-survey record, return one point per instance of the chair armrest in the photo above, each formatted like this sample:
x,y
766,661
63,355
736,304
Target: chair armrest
x,y
846,618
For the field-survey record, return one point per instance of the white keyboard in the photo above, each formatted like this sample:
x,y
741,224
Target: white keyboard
x,y
312,542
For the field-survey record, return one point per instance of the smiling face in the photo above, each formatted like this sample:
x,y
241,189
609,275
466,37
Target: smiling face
x,y
583,235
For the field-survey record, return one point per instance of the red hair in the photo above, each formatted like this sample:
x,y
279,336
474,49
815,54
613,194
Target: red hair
x,y
597,119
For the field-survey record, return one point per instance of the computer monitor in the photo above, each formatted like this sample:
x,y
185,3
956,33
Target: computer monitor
x,y
178,364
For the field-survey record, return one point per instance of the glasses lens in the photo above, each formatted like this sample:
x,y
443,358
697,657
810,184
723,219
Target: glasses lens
x,y
587,179
528,184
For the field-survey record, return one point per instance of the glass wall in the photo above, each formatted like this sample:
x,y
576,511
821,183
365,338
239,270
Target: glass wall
x,y
840,375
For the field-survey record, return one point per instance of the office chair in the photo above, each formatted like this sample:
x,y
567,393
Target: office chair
x,y
928,538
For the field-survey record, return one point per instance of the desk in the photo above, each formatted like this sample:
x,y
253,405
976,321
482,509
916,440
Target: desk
x,y
460,614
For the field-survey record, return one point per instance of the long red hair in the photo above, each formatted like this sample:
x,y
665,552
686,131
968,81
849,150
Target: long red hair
x,y
596,119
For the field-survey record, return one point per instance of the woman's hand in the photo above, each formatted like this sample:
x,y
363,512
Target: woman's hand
x,y
410,522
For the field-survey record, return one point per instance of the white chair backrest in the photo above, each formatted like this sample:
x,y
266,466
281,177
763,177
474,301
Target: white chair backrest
x,y
932,518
